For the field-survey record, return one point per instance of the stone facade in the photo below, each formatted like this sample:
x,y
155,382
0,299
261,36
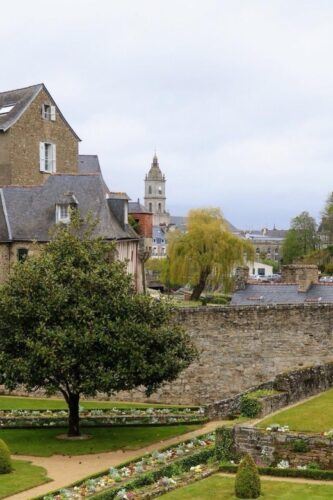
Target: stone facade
x,y
241,347
302,274
19,146
268,448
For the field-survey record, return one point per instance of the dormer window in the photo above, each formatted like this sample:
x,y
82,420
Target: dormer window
x,y
63,213
5,109
47,157
49,112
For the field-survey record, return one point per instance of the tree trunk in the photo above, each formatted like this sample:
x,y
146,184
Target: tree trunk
x,y
74,417
199,288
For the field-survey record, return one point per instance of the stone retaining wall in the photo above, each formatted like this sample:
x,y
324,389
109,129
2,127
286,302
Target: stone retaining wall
x,y
269,448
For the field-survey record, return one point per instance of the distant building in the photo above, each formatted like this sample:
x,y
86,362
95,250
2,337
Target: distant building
x,y
42,177
155,195
267,243
299,285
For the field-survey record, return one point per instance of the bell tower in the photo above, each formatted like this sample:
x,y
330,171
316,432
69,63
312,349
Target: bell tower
x,y
155,198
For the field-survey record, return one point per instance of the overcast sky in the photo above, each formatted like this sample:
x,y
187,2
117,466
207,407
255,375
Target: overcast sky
x,y
236,96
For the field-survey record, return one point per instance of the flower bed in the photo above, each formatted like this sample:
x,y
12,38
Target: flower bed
x,y
147,470
102,417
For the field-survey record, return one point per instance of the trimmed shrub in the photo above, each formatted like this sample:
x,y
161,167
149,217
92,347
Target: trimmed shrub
x,y
247,483
5,460
249,406
309,473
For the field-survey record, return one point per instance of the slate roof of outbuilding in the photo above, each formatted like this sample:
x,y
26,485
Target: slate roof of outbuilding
x,y
135,207
282,293
21,99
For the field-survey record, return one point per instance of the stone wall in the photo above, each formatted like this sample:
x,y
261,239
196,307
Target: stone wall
x,y
292,386
269,448
241,347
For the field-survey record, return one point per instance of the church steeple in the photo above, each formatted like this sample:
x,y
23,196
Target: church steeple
x,y
155,193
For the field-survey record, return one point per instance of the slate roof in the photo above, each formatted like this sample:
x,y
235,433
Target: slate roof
x,y
282,293
29,212
180,222
135,207
21,99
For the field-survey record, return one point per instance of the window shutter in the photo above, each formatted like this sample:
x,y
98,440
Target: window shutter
x,y
42,156
53,113
54,158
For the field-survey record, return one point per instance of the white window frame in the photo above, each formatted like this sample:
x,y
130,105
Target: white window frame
x,y
49,112
60,217
47,157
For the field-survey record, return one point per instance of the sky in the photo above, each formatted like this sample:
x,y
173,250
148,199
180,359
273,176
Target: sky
x,y
236,96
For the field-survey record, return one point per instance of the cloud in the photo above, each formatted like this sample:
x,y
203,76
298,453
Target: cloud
x,y
237,96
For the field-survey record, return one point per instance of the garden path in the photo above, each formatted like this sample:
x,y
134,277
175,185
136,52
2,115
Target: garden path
x,y
64,470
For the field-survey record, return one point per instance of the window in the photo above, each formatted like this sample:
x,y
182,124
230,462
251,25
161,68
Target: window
x,y
47,157
62,213
160,207
159,189
49,112
149,190
150,207
5,109
261,271
22,254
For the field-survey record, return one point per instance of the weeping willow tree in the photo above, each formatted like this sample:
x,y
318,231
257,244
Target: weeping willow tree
x,y
207,253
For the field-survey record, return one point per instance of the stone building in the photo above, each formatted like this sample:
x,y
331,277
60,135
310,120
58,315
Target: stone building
x,y
155,195
267,242
42,177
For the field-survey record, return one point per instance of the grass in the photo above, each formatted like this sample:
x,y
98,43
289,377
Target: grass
x,y
43,442
24,476
28,403
315,415
222,488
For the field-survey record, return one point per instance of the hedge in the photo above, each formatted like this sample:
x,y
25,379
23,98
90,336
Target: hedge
x,y
326,475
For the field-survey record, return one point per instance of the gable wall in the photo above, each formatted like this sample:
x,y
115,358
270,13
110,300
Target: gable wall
x,y
23,140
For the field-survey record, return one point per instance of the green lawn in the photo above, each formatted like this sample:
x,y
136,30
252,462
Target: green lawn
x,y
43,442
24,476
15,403
222,488
315,415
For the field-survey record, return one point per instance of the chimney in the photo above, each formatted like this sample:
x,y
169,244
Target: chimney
x,y
240,278
118,204
304,275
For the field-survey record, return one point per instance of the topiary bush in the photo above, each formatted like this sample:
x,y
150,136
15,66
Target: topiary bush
x,y
5,460
247,483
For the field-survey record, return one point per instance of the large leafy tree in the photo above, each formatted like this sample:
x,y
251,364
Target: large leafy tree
x,y
301,238
326,225
70,322
207,253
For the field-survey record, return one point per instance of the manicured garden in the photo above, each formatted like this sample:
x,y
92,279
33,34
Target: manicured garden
x,y
43,442
315,415
28,403
24,476
218,486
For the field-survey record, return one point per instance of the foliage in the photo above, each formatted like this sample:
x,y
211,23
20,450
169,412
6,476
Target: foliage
x,y
250,405
224,444
326,224
215,299
301,238
247,482
300,446
134,223
207,253
5,460
160,269
70,321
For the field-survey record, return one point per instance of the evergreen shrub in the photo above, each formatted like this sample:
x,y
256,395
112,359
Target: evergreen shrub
x,y
247,483
5,460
